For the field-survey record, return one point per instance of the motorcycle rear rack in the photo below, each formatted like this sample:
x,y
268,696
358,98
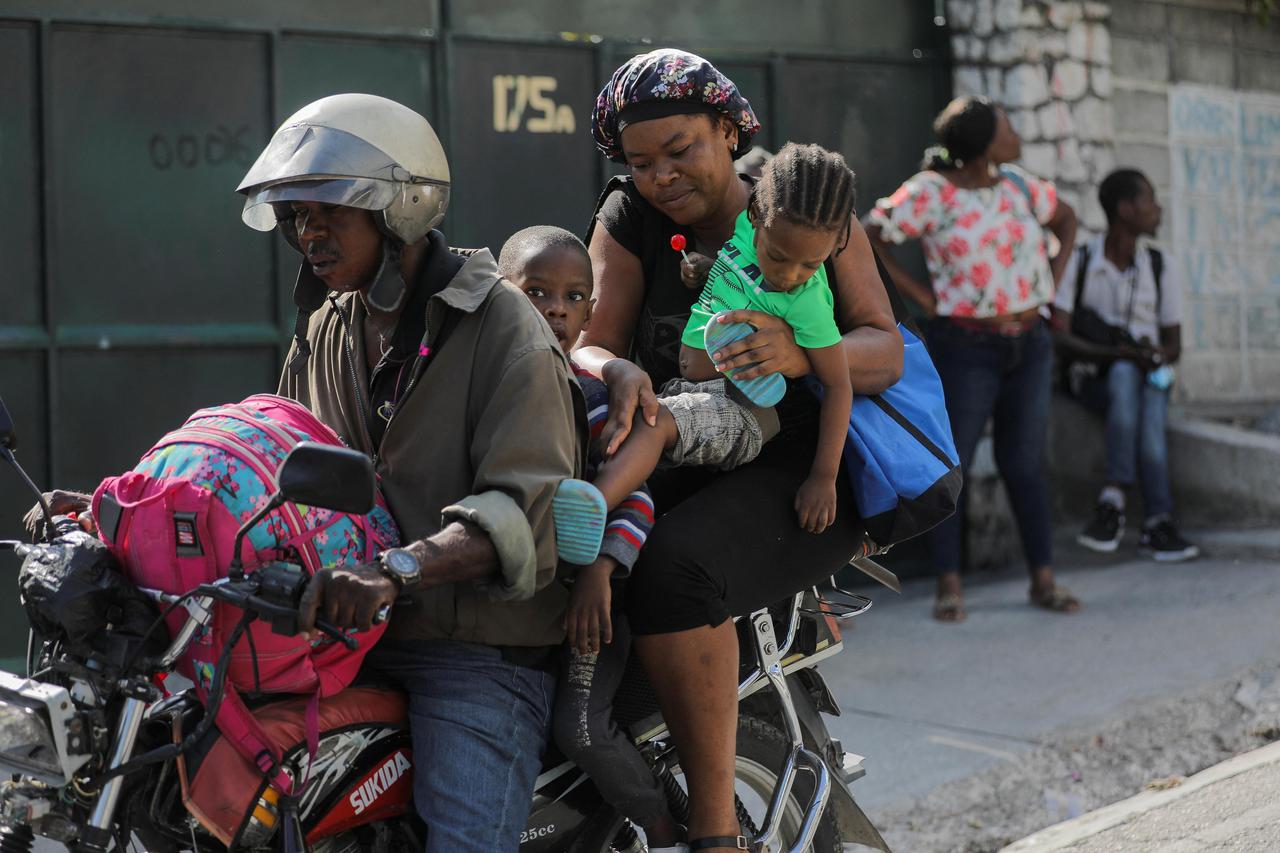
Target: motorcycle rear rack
x,y
769,655
838,603
771,671
841,604
774,662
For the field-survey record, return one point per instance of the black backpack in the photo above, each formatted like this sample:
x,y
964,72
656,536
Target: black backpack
x,y
1088,324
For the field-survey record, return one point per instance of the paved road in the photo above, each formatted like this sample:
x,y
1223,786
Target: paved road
x,y
929,703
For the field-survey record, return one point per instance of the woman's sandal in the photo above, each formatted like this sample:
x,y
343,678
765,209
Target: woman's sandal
x,y
1056,599
764,391
733,842
949,608
579,512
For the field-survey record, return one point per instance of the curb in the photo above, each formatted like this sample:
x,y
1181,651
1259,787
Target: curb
x,y
1062,835
1257,544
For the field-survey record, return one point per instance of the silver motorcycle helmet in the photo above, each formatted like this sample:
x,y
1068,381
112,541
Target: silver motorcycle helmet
x,y
356,151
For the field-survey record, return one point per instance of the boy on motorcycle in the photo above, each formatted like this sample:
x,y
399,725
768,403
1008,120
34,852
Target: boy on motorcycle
x,y
553,269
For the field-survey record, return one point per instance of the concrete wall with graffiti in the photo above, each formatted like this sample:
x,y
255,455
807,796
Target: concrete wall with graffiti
x,y
1196,104
1224,148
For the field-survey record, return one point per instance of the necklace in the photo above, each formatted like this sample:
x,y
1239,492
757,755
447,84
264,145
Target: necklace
x,y
387,410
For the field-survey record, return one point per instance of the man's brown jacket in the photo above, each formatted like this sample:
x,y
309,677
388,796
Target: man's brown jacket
x,y
485,435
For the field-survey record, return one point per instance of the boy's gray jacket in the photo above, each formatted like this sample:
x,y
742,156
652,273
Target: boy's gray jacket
x,y
486,435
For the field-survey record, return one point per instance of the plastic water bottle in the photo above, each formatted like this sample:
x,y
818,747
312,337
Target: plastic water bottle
x,y
1161,377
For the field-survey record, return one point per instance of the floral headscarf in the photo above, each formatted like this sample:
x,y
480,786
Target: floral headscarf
x,y
667,82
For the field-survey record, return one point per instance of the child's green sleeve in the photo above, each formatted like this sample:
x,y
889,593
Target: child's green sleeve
x,y
813,317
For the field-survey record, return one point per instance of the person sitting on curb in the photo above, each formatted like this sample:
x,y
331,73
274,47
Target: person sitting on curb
x,y
1118,315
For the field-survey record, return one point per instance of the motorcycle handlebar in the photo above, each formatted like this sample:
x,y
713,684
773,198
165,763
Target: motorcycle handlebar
x,y
62,524
284,584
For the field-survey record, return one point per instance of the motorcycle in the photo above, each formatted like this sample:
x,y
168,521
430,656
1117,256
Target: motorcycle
x,y
103,753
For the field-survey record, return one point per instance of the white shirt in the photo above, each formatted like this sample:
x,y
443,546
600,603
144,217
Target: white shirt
x,y
1110,291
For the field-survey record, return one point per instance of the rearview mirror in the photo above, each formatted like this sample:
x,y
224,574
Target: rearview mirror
x,y
326,476
8,438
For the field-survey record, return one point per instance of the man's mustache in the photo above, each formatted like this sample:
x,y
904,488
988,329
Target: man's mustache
x,y
320,247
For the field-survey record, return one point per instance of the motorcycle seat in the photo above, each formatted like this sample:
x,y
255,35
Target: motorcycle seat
x,y
226,786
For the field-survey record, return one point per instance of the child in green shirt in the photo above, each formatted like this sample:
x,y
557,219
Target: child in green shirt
x,y
798,216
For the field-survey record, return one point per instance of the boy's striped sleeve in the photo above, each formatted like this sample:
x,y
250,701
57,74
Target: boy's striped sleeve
x,y
629,523
628,527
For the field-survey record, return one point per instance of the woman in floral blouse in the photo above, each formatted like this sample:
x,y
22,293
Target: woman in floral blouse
x,y
982,225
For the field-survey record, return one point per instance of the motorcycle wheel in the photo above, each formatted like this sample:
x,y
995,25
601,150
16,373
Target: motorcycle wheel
x,y
762,750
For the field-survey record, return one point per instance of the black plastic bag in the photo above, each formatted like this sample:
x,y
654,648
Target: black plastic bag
x,y
73,590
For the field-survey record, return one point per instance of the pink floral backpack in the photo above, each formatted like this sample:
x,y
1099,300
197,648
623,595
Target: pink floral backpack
x,y
172,523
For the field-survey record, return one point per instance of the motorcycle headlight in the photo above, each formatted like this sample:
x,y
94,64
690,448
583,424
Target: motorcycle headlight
x,y
33,729
26,742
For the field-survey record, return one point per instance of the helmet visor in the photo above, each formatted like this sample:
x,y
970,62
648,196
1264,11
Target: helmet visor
x,y
304,152
364,193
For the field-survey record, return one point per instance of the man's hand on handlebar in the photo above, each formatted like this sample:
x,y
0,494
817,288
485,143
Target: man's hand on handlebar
x,y
61,503
347,597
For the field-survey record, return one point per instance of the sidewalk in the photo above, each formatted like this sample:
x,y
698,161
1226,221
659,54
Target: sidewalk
x,y
929,703
1234,805
1018,719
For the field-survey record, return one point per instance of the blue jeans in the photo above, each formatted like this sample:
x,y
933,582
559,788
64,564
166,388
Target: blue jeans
x,y
985,376
1137,449
479,725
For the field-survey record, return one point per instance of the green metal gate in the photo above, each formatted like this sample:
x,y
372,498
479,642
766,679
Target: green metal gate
x,y
132,294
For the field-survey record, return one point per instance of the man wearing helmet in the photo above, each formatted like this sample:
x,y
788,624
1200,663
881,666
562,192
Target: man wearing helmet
x,y
444,373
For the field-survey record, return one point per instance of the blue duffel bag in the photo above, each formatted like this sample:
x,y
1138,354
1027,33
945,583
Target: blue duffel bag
x,y
899,454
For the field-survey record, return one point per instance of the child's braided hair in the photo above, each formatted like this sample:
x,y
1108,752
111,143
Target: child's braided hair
x,y
806,185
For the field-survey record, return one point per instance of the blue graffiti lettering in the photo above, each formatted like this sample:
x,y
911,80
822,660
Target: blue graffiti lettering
x,y
1259,129
1201,116
1197,263
1215,167
1261,176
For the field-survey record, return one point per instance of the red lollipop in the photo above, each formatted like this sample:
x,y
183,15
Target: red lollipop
x,y
678,243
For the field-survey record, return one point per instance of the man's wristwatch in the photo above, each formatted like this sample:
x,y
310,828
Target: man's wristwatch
x,y
401,566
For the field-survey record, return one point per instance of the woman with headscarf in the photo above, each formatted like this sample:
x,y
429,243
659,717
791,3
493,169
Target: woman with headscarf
x,y
726,543
982,224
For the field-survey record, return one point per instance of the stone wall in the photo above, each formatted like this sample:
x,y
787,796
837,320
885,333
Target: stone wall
x,y
1049,64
